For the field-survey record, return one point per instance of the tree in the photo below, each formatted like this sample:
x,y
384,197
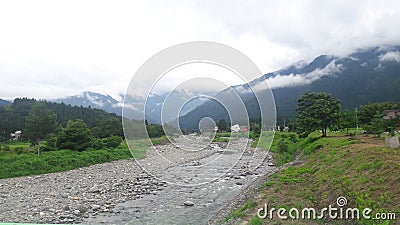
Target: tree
x,y
368,112
40,122
76,136
347,119
222,126
316,111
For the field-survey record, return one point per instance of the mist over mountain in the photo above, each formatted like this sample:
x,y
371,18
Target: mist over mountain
x,y
365,76
93,100
153,109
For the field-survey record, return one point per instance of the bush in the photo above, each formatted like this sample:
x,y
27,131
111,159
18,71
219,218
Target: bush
x,y
19,150
46,147
111,142
282,145
6,148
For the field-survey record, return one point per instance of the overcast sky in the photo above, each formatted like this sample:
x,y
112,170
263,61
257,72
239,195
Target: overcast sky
x,y
51,49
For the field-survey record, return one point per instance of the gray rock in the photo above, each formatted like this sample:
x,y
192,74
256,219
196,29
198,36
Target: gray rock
x,y
188,203
95,207
94,189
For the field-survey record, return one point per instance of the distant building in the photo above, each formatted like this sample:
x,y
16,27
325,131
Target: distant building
x,y
391,114
235,128
244,129
16,135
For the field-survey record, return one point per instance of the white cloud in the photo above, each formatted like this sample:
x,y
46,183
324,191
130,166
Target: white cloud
x,y
51,49
287,80
390,56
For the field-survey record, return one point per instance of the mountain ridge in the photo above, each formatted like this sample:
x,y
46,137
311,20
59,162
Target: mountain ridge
x,y
364,76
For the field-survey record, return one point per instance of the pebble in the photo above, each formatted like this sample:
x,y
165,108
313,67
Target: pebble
x,y
71,196
95,207
188,203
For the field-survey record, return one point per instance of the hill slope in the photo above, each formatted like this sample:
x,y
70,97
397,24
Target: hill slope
x,y
13,117
4,102
362,170
369,75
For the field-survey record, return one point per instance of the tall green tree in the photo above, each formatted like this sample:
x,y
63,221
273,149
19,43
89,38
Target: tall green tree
x,y
222,125
347,119
40,123
316,111
76,136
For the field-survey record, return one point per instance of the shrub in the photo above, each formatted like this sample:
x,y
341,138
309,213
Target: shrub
x,y
112,142
19,150
282,146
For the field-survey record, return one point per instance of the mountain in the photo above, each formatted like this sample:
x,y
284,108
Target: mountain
x,y
365,76
4,102
93,100
153,109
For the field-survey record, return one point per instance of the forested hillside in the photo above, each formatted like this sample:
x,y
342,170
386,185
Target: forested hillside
x,y
102,124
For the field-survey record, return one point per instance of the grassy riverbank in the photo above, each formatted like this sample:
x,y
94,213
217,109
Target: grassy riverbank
x,y
359,168
19,159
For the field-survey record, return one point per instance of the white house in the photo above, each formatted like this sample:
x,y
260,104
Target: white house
x,y
16,135
235,128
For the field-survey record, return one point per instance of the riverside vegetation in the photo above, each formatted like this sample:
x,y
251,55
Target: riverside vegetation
x,y
59,137
337,161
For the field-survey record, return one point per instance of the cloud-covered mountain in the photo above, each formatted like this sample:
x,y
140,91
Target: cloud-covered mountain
x,y
93,100
367,75
154,103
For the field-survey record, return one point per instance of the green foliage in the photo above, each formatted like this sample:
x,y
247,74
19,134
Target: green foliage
x,y
222,125
76,136
282,146
256,221
107,128
27,163
240,212
19,150
111,142
155,130
316,111
14,117
368,112
40,123
255,128
347,119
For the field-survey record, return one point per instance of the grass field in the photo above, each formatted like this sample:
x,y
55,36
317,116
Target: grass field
x,y
359,168
19,159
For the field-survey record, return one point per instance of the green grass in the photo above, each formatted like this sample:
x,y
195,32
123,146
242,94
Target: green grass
x,y
27,162
240,212
358,167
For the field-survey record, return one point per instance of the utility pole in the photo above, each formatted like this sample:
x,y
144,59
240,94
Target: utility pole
x,y
356,120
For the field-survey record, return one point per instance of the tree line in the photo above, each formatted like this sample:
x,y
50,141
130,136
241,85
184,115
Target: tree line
x,y
321,111
61,126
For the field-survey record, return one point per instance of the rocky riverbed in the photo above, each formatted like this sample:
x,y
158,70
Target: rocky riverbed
x,y
188,188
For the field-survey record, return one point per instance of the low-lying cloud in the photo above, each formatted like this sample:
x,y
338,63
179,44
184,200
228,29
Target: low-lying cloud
x,y
390,56
288,80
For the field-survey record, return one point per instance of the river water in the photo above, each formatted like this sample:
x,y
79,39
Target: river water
x,y
207,185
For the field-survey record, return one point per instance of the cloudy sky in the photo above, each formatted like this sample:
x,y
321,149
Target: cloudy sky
x,y
51,49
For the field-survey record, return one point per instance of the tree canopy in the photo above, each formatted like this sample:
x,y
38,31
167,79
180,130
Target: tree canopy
x,y
316,111
40,123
